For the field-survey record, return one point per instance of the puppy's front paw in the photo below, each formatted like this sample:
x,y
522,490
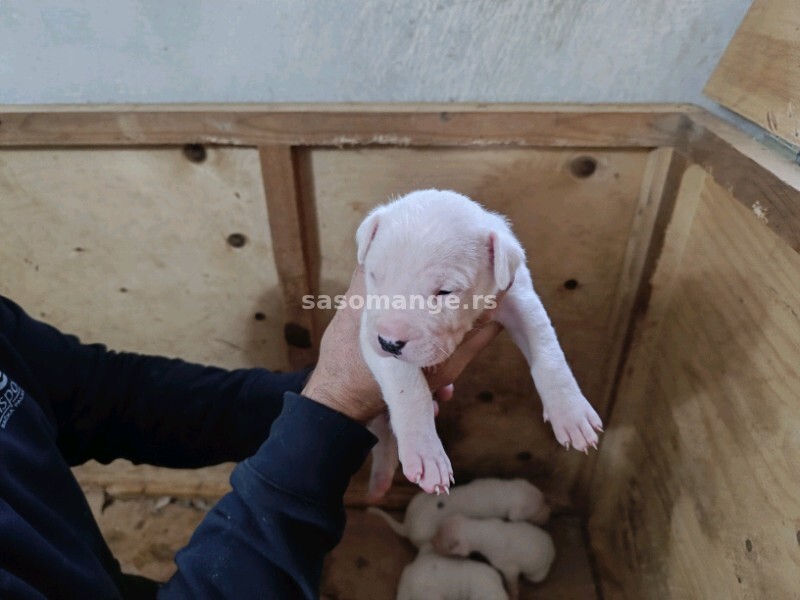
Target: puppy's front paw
x,y
575,424
426,464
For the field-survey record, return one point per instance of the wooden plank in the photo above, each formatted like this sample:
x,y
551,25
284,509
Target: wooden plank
x,y
762,180
291,256
574,228
663,174
715,367
123,480
368,563
661,186
759,74
396,125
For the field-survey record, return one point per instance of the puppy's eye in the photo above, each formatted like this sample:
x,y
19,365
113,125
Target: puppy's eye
x,y
443,292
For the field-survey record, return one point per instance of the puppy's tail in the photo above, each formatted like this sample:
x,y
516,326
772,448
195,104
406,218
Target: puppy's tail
x,y
397,527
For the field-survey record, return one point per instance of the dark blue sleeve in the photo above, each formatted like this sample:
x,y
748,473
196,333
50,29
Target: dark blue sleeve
x,y
147,409
268,537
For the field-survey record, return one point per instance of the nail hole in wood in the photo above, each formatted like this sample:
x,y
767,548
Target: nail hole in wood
x,y
237,240
524,456
571,284
297,335
485,396
259,316
748,545
196,153
123,290
583,167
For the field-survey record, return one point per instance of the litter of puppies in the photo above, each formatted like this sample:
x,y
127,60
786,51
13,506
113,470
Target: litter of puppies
x,y
496,518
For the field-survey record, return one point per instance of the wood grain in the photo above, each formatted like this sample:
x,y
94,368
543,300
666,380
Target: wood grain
x,y
759,74
699,465
345,125
130,248
756,176
290,251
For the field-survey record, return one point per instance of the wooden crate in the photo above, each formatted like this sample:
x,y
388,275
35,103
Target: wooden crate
x,y
663,242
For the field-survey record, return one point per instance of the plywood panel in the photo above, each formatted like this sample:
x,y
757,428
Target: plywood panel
x,y
700,464
130,248
759,74
572,227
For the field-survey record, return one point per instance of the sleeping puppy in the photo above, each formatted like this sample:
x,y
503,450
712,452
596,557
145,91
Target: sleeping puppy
x,y
512,499
514,549
433,577
447,250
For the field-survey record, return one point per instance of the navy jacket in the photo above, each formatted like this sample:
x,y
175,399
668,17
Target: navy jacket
x,y
63,403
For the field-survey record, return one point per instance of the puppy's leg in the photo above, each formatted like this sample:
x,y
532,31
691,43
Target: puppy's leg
x,y
409,399
574,420
384,458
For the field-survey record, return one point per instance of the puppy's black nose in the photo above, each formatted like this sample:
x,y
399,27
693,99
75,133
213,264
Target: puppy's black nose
x,y
392,347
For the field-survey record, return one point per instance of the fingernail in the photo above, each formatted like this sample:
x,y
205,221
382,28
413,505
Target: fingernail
x,y
418,479
594,445
436,489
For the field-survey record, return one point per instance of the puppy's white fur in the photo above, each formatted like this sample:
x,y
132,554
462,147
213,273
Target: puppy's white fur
x,y
433,577
513,548
418,246
513,499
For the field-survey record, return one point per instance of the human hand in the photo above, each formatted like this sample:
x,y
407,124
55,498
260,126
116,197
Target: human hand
x,y
342,380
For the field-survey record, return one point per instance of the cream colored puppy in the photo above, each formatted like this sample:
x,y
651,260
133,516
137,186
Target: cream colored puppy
x,y
513,499
448,251
513,548
433,577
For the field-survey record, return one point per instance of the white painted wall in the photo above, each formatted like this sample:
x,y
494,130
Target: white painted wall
x,y
65,51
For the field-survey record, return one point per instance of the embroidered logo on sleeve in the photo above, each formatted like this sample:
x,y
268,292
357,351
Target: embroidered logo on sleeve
x,y
11,396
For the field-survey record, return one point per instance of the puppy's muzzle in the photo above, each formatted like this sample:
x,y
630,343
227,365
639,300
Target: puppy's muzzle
x,y
392,346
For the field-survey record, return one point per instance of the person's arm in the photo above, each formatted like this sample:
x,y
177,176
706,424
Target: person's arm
x,y
268,537
147,409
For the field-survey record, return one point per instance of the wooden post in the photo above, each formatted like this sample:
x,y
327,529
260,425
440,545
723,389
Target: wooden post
x,y
290,249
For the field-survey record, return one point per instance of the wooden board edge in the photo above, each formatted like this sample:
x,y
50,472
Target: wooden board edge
x,y
661,186
321,125
290,248
610,466
764,181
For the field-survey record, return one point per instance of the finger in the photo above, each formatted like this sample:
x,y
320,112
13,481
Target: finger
x,y
444,394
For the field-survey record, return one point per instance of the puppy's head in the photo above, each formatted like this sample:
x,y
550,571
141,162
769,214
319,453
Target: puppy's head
x,y
449,539
433,261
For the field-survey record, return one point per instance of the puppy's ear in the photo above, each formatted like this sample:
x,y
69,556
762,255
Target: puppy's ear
x,y
366,233
506,255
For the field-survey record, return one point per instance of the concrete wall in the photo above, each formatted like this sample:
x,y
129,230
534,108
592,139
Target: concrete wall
x,y
65,51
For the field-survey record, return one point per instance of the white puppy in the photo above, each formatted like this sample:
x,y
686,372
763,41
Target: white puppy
x,y
444,249
432,577
512,548
513,499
